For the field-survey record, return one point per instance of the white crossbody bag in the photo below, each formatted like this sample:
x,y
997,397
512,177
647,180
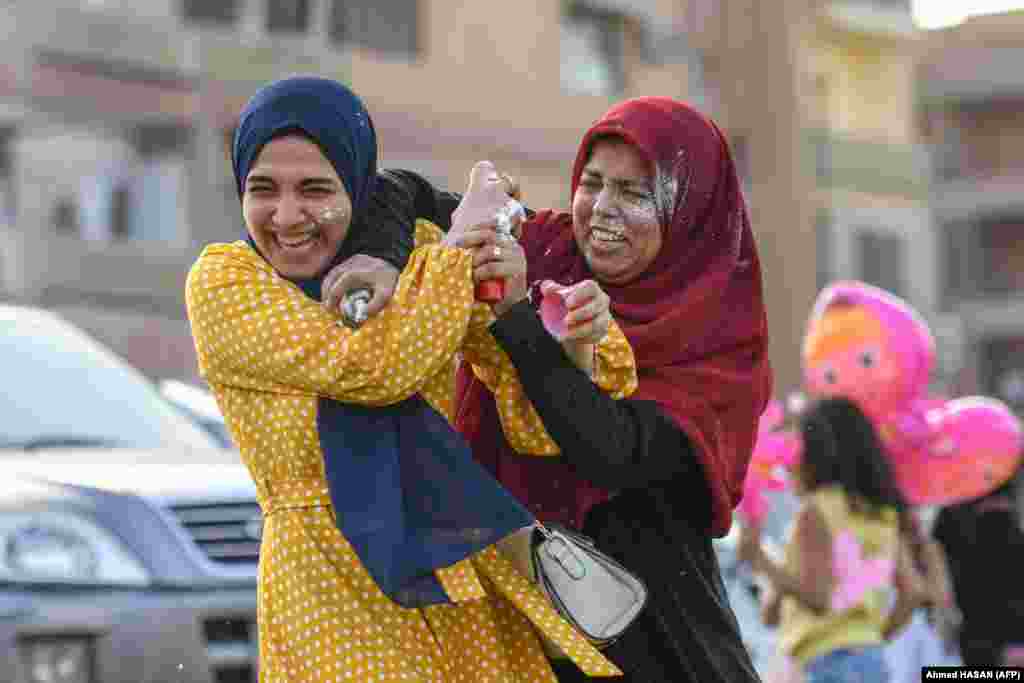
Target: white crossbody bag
x,y
593,592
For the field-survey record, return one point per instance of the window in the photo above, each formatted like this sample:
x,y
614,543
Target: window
x,y
1000,254
7,206
160,140
120,212
956,254
287,16
6,151
949,153
894,4
388,26
1002,369
219,12
881,261
65,216
592,51
823,247
40,351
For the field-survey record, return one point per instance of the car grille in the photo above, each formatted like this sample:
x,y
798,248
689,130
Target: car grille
x,y
231,646
227,533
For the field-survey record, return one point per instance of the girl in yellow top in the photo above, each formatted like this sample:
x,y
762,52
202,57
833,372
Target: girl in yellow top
x,y
831,594
378,565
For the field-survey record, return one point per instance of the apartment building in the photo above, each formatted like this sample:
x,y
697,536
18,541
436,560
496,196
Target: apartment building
x,y
972,91
114,117
872,193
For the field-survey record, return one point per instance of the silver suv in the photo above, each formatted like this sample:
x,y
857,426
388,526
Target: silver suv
x,y
128,539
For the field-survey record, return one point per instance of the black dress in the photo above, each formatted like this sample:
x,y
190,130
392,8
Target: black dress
x,y
988,592
658,523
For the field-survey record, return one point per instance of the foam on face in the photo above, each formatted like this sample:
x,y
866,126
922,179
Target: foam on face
x,y
333,214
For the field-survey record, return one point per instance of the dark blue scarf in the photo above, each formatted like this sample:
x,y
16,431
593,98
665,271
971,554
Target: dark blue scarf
x,y
406,491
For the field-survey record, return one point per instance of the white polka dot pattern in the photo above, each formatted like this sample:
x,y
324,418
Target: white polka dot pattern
x,y
615,374
269,353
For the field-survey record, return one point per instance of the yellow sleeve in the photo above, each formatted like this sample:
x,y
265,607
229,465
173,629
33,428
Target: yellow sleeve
x,y
615,374
253,329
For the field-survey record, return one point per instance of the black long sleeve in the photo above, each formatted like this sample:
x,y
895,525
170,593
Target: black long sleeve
x,y
614,444
427,201
386,228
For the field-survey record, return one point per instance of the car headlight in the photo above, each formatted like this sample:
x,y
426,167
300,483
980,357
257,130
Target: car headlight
x,y
63,547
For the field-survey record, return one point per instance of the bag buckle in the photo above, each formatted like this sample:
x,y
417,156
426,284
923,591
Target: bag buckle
x,y
559,549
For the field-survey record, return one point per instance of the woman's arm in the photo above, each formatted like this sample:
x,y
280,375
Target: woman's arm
x,y
613,372
938,581
254,329
813,583
771,607
614,444
386,228
428,202
910,592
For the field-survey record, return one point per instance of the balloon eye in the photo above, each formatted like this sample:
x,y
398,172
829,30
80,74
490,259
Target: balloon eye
x,y
868,359
831,375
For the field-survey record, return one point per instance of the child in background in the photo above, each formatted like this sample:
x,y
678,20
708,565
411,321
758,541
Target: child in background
x,y
831,590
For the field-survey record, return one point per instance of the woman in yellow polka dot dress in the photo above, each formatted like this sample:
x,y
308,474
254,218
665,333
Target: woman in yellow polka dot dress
x,y
350,589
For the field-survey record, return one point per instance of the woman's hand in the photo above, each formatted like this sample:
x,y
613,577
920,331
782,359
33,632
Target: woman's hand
x,y
588,310
587,319
360,272
487,194
497,258
748,547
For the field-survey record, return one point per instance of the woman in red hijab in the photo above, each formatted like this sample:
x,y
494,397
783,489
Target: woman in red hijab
x,y
658,221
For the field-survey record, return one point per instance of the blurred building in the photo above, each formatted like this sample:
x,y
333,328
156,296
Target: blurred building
x,y
114,117
972,90
855,202
872,193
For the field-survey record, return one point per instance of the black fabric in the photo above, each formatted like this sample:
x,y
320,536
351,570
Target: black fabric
x,y
427,202
614,444
688,633
434,205
988,592
385,229
656,525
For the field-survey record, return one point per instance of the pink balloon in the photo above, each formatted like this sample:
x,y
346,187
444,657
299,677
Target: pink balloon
x,y
774,453
874,348
972,446
864,343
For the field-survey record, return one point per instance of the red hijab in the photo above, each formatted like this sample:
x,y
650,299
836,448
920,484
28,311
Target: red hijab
x,y
695,319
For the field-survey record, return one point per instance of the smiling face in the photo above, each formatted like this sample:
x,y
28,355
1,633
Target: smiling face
x,y
296,208
846,354
614,211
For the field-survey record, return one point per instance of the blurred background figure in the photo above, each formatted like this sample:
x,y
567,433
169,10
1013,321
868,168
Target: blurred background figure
x,y
830,592
983,540
878,140
930,637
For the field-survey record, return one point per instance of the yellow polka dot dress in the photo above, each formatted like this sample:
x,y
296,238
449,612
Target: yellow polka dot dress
x,y
269,352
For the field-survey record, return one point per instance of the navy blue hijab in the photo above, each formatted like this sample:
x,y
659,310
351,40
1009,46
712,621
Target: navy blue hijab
x,y
406,491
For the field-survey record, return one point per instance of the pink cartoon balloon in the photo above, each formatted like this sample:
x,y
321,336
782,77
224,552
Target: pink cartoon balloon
x,y
974,445
867,345
872,347
774,453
